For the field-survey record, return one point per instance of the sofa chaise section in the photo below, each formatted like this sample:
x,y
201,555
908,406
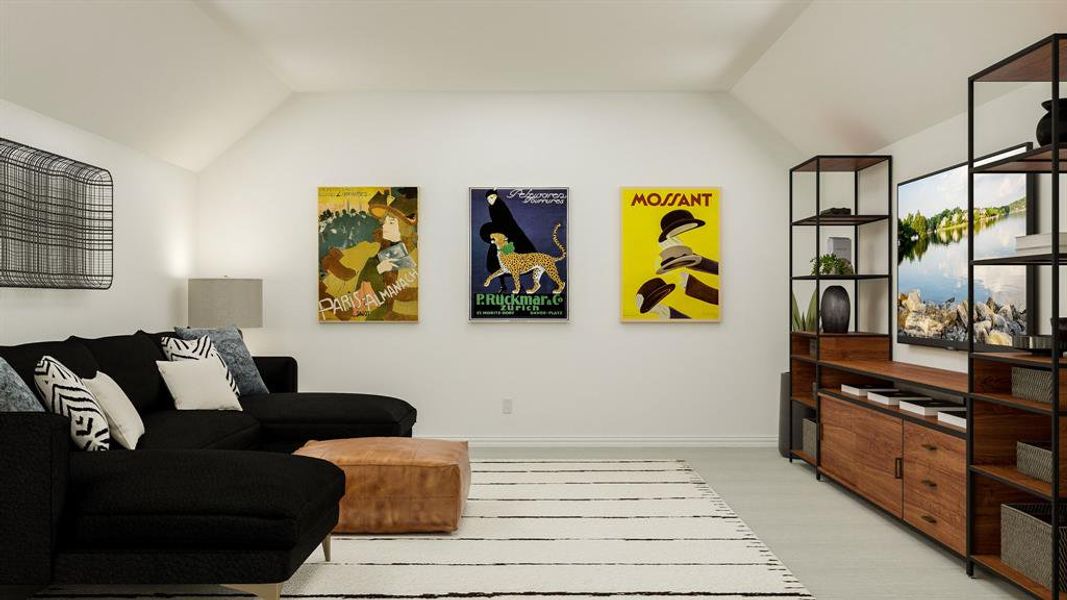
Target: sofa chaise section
x,y
196,502
201,516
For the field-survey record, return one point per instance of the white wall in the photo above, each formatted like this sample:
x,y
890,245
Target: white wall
x,y
153,204
1005,121
590,378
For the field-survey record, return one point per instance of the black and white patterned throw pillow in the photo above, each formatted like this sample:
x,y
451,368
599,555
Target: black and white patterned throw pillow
x,y
65,394
198,349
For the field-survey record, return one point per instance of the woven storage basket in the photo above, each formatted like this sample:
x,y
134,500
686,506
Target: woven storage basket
x,y
811,433
1031,384
1026,541
1034,459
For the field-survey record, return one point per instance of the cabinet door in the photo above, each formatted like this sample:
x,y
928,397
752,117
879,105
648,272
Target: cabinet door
x,y
837,448
880,459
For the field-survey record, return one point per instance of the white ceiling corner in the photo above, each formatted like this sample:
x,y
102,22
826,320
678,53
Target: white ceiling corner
x,y
853,77
161,77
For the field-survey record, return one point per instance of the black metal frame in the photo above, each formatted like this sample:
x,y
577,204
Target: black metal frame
x,y
1055,261
1031,270
817,221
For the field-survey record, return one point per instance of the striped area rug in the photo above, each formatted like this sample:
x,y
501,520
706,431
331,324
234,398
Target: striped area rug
x,y
562,529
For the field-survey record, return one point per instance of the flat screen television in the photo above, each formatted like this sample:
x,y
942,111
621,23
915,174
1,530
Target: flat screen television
x,y
932,256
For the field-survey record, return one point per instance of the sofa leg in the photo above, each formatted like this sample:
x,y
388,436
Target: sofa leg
x,y
264,591
326,549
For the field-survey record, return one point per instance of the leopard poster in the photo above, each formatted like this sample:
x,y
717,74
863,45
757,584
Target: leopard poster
x,y
518,242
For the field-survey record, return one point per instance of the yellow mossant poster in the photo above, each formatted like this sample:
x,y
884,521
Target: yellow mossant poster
x,y
670,254
368,254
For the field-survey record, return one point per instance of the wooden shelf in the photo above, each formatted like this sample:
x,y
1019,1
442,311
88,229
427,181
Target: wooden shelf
x,y
894,411
1031,64
1038,160
1022,359
804,456
999,567
824,334
1014,402
838,220
802,357
1009,475
805,399
952,382
1032,259
837,163
839,277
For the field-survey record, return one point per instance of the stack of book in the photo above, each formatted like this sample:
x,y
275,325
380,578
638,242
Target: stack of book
x,y
955,417
929,407
895,397
1037,244
862,389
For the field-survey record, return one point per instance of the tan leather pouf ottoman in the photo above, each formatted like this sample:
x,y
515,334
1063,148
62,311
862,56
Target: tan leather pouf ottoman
x,y
398,485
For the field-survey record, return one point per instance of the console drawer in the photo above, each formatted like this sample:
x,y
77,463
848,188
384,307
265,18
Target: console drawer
x,y
935,503
933,449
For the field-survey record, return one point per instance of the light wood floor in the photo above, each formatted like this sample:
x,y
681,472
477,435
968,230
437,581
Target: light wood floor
x,y
839,547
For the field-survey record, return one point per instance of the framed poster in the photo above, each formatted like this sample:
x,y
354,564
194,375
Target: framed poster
x,y
368,254
518,244
670,255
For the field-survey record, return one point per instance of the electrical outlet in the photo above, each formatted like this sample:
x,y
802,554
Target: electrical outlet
x,y
506,406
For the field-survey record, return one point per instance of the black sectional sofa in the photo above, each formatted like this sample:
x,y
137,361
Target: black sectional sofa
x,y
208,497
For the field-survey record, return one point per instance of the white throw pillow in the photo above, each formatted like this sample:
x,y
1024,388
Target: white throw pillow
x,y
126,425
66,395
198,385
198,349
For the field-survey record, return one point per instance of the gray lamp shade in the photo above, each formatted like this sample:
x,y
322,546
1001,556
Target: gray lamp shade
x,y
222,302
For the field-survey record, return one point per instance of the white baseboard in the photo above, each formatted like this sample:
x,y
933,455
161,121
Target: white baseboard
x,y
618,442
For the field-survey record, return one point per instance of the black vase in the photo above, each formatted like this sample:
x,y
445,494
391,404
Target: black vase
x,y
835,310
1044,126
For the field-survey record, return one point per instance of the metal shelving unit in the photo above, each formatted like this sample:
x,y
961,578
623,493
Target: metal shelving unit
x,y
805,367
991,480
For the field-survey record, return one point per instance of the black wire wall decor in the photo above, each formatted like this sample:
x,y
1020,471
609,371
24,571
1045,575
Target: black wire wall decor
x,y
56,228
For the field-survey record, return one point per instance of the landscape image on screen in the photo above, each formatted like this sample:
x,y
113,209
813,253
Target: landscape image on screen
x,y
932,258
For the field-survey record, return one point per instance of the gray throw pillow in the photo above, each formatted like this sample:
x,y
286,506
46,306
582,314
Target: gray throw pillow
x,y
235,354
15,396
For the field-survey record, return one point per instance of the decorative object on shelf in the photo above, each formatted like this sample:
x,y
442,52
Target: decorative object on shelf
x,y
932,231
1061,326
835,309
803,321
836,211
670,255
811,434
1044,126
518,269
225,301
1034,459
368,254
1031,384
1026,538
1037,244
840,247
55,221
1035,344
829,264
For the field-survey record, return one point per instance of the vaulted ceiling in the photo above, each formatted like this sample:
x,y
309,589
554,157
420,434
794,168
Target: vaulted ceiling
x,y
182,80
